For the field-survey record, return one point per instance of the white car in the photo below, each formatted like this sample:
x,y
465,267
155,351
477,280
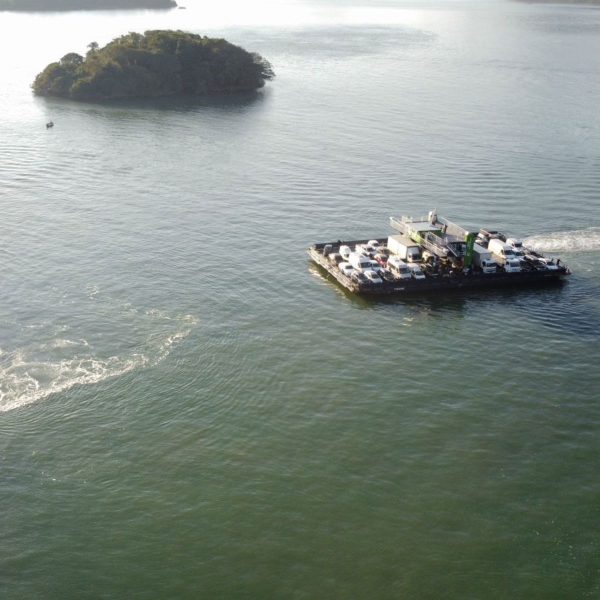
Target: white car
x,y
548,263
375,266
359,277
345,251
346,268
365,249
372,276
415,271
387,275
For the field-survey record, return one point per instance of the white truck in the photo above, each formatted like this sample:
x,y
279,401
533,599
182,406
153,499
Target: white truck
x,y
404,248
506,256
398,267
501,249
482,258
512,265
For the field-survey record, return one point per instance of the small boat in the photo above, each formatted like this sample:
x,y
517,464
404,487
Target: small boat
x,y
49,124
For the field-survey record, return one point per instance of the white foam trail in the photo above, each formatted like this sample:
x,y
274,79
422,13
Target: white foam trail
x,y
23,383
164,349
25,379
580,240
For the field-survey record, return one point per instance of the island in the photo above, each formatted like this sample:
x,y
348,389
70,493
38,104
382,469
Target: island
x,y
156,63
66,5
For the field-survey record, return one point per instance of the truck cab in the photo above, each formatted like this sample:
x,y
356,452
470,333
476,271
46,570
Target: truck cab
x,y
482,258
512,265
488,266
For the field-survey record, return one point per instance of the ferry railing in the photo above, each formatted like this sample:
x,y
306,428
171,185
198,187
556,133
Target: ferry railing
x,y
399,224
438,249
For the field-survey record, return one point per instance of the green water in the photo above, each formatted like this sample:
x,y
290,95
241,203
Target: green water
x,y
190,410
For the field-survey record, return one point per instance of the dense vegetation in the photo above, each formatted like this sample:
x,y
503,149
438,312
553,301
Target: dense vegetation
x,y
58,5
157,63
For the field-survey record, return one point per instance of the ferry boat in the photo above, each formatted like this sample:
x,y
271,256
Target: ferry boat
x,y
432,254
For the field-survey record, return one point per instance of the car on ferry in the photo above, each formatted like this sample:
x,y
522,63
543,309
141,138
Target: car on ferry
x,y
376,266
359,261
416,271
346,268
548,263
359,277
399,268
366,250
512,265
345,251
372,276
335,258
381,259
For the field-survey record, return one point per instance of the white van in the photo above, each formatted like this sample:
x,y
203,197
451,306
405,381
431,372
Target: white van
x,y
501,249
360,261
398,267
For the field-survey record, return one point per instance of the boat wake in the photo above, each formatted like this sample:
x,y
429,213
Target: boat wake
x,y
54,361
581,240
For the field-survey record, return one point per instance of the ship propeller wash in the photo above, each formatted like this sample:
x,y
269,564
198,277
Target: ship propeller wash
x,y
433,254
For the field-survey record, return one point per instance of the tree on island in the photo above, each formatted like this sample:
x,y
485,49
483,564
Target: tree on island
x,y
63,5
157,63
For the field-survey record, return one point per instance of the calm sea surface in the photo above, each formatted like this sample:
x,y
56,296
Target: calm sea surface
x,y
188,409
